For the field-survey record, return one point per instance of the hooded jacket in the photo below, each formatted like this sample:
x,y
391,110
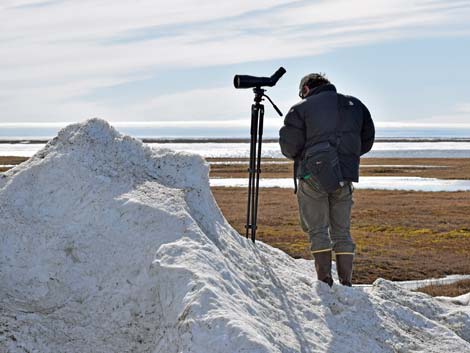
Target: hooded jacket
x,y
325,115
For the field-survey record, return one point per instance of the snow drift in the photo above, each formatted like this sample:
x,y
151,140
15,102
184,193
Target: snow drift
x,y
107,245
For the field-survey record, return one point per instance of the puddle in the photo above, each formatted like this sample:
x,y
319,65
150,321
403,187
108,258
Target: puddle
x,y
376,183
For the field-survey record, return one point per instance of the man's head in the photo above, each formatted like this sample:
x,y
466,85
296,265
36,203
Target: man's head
x,y
311,81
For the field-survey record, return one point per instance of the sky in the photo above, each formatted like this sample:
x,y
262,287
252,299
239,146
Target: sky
x,y
168,66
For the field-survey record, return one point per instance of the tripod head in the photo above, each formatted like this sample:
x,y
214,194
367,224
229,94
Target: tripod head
x,y
259,94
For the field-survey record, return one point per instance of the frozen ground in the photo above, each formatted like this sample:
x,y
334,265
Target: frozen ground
x,y
107,245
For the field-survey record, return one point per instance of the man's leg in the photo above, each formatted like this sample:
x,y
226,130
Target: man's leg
x,y
340,222
314,220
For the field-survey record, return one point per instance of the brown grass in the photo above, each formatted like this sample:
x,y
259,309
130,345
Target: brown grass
x,y
447,290
8,160
449,168
399,235
12,160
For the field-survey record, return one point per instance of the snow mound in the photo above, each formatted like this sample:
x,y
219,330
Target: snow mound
x,y
107,245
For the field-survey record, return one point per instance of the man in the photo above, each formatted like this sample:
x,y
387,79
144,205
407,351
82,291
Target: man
x,y
344,124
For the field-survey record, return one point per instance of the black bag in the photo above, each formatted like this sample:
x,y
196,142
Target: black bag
x,y
321,162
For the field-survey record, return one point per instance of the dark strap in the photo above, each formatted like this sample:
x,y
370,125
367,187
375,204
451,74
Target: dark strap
x,y
296,164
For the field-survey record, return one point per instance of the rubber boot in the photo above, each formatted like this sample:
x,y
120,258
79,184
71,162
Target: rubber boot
x,y
323,266
344,266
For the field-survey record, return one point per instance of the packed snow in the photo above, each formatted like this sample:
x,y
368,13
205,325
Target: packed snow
x,y
108,245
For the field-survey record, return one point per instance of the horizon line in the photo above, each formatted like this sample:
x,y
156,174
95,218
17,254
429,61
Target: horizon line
x,y
218,124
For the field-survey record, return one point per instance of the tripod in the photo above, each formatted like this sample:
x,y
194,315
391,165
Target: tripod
x,y
254,169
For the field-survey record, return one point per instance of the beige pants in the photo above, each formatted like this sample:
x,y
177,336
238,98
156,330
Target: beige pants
x,y
326,217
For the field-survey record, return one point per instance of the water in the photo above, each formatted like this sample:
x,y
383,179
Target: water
x,y
271,149
238,129
420,150
374,183
380,149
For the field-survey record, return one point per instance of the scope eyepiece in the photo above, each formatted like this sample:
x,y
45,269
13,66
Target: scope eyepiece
x,y
246,81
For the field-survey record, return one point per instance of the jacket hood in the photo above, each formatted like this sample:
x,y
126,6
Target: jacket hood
x,y
322,88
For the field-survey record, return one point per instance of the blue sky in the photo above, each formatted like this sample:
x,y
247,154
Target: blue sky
x,y
171,65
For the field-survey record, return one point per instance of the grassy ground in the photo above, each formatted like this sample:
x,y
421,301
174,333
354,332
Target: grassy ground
x,y
447,168
10,161
448,290
399,235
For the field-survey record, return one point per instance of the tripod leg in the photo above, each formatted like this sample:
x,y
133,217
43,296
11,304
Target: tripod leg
x,y
258,171
251,169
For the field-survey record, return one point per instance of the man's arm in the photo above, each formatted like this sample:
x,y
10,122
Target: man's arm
x,y
367,132
292,135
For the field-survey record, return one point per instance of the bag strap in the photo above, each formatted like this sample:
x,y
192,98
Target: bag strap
x,y
296,165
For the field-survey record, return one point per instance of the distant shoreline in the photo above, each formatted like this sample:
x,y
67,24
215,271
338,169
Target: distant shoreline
x,y
246,140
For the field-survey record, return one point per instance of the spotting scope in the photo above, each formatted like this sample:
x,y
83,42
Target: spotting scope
x,y
246,81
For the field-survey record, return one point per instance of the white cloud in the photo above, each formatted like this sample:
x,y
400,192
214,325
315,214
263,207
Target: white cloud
x,y
427,124
54,53
222,104
464,108
459,117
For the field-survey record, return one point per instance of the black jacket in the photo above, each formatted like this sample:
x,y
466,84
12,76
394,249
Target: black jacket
x,y
325,115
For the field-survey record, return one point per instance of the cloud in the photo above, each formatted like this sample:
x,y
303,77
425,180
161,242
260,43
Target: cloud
x,y
220,104
54,52
427,124
458,117
464,108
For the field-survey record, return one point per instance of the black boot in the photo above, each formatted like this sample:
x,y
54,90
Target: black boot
x,y
323,266
344,266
